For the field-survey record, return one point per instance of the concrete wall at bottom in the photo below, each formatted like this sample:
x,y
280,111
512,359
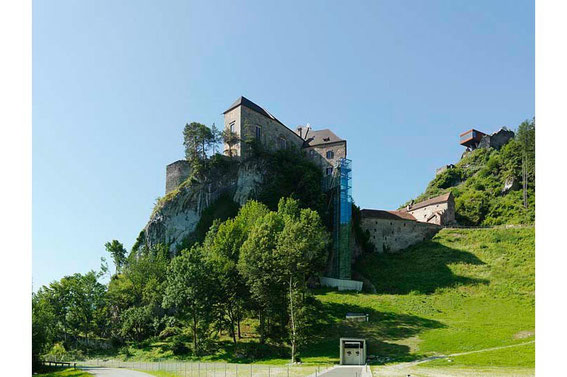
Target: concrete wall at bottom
x,y
341,284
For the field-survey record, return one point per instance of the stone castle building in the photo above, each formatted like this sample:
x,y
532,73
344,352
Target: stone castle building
x,y
392,231
250,121
396,230
439,210
389,230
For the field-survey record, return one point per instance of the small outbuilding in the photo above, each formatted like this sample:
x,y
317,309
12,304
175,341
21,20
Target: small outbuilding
x,y
353,351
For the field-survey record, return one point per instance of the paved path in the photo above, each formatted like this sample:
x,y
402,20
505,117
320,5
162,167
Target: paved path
x,y
340,371
403,369
113,372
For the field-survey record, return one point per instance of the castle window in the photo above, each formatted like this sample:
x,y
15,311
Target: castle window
x,y
282,143
258,133
330,154
329,171
231,125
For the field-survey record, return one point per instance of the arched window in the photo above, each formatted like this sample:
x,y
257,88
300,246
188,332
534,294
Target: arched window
x,y
330,155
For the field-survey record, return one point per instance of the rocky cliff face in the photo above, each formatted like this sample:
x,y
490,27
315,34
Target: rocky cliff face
x,y
177,215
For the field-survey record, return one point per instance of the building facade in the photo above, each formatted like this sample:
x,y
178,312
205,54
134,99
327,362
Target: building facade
x,y
251,122
439,210
391,231
323,147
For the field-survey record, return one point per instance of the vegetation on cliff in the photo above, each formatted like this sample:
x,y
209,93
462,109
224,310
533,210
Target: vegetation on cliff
x,y
218,185
490,186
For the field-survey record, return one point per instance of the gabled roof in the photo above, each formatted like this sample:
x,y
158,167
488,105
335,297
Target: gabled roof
x,y
438,199
320,137
243,101
387,215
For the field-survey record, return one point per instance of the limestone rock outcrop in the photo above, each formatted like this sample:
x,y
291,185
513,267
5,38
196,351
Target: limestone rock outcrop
x,y
177,215
511,184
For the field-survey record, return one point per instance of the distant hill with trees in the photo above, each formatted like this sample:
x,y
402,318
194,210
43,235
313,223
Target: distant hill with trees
x,y
490,186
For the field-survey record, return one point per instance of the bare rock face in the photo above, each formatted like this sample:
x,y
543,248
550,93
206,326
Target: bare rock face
x,y
511,184
177,216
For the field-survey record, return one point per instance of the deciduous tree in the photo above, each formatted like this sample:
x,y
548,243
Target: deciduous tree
x,y
191,291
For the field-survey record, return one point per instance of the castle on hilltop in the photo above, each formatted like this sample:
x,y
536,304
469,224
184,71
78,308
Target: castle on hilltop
x,y
252,122
249,121
388,231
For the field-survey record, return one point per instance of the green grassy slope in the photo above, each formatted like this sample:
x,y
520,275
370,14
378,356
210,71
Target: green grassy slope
x,y
462,291
477,181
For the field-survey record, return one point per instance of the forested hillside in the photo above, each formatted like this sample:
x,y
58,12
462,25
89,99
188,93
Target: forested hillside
x,y
490,186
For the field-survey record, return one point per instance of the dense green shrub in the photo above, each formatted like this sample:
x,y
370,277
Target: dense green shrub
x,y
291,174
178,346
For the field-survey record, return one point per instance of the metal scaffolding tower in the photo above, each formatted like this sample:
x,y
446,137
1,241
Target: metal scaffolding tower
x,y
342,212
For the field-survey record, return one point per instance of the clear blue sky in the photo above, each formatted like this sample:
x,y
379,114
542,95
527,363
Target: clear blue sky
x,y
115,81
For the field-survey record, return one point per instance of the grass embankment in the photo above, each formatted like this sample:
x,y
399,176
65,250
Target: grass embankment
x,y
465,290
62,372
462,291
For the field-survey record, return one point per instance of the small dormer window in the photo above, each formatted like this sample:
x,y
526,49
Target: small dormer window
x,y
326,139
330,155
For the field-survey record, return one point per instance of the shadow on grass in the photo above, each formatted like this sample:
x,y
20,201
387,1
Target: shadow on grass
x,y
422,268
381,332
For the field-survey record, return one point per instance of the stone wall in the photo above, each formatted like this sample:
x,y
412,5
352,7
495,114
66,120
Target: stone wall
x,y
443,168
175,174
245,123
497,140
427,213
233,116
177,217
389,235
318,154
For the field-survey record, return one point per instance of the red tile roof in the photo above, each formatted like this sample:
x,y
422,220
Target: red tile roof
x,y
387,215
438,199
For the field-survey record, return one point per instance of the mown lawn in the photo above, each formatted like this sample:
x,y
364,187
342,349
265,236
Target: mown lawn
x,y
464,290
